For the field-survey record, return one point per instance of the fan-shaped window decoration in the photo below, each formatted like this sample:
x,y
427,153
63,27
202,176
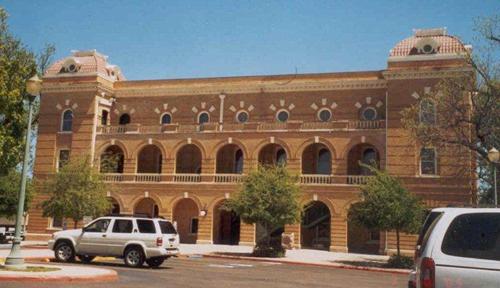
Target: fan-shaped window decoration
x,y
67,121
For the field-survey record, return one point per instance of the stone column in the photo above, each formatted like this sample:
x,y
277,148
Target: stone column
x,y
247,234
295,229
338,233
205,229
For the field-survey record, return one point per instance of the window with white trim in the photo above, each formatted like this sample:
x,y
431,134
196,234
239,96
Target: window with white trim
x,y
282,116
324,115
56,222
427,112
62,158
166,118
428,161
203,118
67,121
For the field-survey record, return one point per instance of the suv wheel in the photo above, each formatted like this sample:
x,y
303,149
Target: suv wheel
x,y
155,262
134,257
64,252
86,258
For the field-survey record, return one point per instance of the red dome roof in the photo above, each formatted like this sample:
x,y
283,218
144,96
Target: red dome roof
x,y
85,62
443,44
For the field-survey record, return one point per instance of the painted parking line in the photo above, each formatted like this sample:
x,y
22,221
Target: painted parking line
x,y
270,263
241,265
220,266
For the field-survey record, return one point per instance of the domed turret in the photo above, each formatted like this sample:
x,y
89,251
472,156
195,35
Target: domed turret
x,y
429,44
85,63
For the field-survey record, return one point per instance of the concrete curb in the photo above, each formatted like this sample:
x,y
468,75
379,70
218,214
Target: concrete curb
x,y
339,266
108,276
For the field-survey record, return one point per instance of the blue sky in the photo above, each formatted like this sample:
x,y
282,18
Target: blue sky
x,y
183,39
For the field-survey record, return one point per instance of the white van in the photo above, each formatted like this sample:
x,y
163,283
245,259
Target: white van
x,y
459,247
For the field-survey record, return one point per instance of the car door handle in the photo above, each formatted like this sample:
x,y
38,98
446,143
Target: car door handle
x,y
104,235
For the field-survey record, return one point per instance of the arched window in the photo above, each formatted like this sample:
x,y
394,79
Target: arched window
x,y
67,121
281,157
238,167
203,118
324,162
428,163
370,157
104,117
124,119
166,119
427,112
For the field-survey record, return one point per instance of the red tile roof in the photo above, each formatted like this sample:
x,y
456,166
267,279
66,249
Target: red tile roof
x,y
89,62
447,45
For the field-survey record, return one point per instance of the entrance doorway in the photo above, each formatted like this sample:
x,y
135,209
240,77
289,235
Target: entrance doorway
x,y
315,226
226,226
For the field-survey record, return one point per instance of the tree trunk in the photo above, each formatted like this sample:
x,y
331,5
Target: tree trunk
x,y
75,224
268,235
397,243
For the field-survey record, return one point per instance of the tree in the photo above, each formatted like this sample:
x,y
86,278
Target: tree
x,y
467,107
9,191
386,205
269,196
75,191
17,64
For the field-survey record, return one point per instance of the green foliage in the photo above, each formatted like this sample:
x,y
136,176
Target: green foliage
x,y
403,262
269,196
9,193
17,64
387,205
77,190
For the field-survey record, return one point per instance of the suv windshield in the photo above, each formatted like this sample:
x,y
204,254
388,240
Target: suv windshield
x,y
167,228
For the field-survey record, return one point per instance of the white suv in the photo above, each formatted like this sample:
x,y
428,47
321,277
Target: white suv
x,y
459,247
134,239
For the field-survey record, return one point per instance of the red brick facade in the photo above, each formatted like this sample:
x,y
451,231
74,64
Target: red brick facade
x,y
183,170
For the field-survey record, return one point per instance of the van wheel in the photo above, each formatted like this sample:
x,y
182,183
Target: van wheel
x,y
134,257
86,258
155,262
64,252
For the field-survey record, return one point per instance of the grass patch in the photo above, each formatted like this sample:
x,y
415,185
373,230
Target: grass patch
x,y
31,269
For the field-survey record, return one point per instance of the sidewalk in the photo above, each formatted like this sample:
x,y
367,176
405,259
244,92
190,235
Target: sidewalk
x,y
65,273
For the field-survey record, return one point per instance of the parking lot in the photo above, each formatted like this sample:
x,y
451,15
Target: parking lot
x,y
210,272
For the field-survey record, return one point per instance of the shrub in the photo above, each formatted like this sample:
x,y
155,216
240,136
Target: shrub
x,y
400,261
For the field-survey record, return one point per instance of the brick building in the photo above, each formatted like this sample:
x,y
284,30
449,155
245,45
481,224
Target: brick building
x,y
184,144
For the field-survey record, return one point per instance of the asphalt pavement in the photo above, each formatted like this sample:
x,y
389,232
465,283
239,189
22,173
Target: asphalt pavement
x,y
220,273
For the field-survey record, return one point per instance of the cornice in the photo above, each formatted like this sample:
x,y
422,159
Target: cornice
x,y
252,88
64,87
425,74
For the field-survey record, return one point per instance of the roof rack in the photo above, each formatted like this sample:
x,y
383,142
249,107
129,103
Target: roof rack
x,y
136,215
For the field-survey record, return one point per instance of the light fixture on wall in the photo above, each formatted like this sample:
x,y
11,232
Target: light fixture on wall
x,y
203,212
